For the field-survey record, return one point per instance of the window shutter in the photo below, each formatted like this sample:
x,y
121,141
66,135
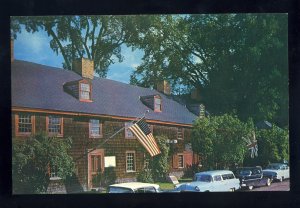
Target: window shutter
x,y
175,161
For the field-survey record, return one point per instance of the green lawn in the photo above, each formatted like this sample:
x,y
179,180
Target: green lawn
x,y
167,185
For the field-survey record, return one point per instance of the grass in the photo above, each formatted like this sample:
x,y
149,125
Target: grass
x,y
167,185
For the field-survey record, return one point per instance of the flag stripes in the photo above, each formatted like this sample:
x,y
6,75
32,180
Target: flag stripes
x,y
143,133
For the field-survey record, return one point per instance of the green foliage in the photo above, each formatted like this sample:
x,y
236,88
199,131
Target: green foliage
x,y
145,176
109,176
159,164
31,159
240,59
273,146
95,37
218,139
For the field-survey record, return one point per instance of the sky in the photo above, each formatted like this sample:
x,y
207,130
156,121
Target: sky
x,y
34,47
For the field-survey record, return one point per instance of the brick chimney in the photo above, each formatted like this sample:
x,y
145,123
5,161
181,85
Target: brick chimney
x,y
12,58
84,67
164,87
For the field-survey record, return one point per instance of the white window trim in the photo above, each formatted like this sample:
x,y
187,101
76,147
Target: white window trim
x,y
134,161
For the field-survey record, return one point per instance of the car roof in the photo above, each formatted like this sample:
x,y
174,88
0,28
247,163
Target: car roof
x,y
134,185
215,172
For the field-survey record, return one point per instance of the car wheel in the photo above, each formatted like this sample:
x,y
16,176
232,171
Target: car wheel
x,y
232,189
250,187
268,182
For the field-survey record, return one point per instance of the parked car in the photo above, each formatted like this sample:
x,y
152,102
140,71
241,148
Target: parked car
x,y
251,177
134,187
211,181
277,171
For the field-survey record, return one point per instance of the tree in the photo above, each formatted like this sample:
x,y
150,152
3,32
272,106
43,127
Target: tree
x,y
96,37
32,158
218,140
240,59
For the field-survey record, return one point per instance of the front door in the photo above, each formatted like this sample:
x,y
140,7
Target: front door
x,y
95,167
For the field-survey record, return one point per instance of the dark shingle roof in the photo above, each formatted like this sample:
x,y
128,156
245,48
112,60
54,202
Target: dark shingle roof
x,y
39,86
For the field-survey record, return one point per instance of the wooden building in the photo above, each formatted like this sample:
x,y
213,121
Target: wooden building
x,y
89,109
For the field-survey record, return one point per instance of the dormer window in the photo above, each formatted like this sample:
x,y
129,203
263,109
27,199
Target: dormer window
x,y
157,104
80,89
85,91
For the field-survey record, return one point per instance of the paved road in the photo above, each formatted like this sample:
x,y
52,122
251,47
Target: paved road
x,y
275,186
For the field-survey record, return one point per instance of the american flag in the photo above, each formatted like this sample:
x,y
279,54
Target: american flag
x,y
143,133
252,146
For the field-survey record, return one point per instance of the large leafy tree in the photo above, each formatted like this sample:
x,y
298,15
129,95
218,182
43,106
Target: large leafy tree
x,y
238,60
94,37
219,141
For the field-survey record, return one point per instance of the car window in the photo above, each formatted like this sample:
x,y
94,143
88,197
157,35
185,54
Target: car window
x,y
256,171
203,178
273,167
245,172
119,190
230,176
150,190
217,178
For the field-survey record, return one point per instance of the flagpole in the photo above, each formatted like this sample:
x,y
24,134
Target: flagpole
x,y
144,114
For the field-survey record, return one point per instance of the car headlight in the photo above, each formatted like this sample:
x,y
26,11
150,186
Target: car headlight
x,y
197,188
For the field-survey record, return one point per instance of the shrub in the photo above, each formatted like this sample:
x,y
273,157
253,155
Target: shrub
x,y
145,176
159,164
31,159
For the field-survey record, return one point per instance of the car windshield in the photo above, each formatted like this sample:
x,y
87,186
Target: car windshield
x,y
245,172
273,167
119,190
203,178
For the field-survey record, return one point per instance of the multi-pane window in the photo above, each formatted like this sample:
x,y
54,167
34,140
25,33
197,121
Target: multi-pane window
x,y
128,132
25,124
146,164
180,161
157,104
53,172
130,161
85,91
95,128
55,125
179,133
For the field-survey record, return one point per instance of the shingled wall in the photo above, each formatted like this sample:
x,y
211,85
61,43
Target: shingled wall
x,y
78,128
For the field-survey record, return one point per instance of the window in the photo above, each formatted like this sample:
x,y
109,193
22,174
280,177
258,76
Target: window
x,y
157,104
95,128
53,172
55,125
146,164
180,133
180,161
24,124
217,178
85,91
130,161
128,133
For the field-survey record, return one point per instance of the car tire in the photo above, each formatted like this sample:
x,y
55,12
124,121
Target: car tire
x,y
250,187
268,182
232,190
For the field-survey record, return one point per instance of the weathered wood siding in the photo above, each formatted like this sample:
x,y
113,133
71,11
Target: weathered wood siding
x,y
78,129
